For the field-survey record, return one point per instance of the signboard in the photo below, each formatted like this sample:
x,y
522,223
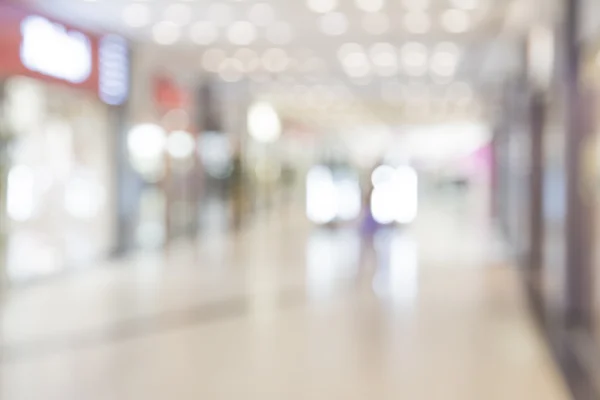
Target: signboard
x,y
35,46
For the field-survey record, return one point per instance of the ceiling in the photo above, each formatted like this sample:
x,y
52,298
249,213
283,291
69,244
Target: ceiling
x,y
376,60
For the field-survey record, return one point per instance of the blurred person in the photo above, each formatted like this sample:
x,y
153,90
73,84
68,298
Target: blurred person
x,y
369,229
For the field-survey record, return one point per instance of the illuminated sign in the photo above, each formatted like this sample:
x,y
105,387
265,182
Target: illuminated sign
x,y
53,50
114,70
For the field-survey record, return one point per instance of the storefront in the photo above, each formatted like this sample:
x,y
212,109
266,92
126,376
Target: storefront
x,y
61,97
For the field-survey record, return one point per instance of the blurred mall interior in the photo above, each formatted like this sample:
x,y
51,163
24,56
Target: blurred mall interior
x,y
299,199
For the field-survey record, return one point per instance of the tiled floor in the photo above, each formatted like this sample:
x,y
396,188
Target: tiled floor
x,y
282,311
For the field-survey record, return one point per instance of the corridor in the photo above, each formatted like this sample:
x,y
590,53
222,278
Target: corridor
x,y
282,311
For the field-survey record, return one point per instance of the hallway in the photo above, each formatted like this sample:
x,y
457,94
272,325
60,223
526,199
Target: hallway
x,y
281,311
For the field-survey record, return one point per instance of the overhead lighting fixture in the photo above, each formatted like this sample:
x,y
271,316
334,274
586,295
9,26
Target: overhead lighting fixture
x,y
455,21
166,32
279,33
384,59
204,33
333,24
376,23
136,15
261,14
264,124
414,58
370,5
322,6
178,13
417,22
241,33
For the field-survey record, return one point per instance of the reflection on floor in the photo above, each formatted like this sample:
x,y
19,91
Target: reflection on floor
x,y
283,311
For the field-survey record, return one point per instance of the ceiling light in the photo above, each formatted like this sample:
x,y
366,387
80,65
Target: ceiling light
x,y
384,58
370,5
417,22
241,33
231,70
416,4
261,14
376,23
180,144
414,53
333,24
279,33
212,58
166,32
455,21
220,13
178,13
414,58
136,15
322,6
264,124
443,63
204,33
356,65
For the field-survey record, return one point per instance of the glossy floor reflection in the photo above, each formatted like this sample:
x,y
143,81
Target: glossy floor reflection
x,y
284,311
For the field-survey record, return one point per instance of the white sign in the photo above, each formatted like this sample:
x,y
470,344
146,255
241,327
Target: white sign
x,y
114,70
51,49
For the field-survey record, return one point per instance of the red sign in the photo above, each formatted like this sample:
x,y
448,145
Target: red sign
x,y
30,45
168,94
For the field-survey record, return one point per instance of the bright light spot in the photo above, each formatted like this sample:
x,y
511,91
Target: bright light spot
x,y
370,5
407,182
204,33
261,14
320,195
383,57
279,33
444,60
20,196
417,22
348,197
136,15
455,21
395,194
382,175
322,6
83,197
333,24
166,32
178,13
264,124
376,23
146,141
180,144
53,50
212,59
241,33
